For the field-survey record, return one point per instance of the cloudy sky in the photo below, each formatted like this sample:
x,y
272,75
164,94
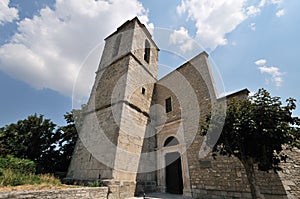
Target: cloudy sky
x,y
50,49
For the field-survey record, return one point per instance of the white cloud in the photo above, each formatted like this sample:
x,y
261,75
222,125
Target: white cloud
x,y
48,49
213,19
274,72
252,26
280,13
182,8
7,14
273,2
216,18
271,70
276,75
262,3
181,37
260,62
277,2
252,11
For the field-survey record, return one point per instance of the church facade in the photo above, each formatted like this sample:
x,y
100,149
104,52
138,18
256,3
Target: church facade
x,y
142,133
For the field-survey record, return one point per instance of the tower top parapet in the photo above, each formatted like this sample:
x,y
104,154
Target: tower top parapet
x,y
129,24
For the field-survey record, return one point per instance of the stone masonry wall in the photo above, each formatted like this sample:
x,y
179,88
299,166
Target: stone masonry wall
x,y
290,174
138,49
112,190
135,126
74,193
118,109
226,177
191,90
126,33
135,115
221,178
99,132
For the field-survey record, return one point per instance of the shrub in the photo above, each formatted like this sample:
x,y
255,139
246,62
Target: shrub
x,y
97,183
16,171
12,178
17,165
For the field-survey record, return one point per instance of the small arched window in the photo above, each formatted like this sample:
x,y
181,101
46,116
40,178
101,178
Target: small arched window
x,y
147,51
117,45
171,141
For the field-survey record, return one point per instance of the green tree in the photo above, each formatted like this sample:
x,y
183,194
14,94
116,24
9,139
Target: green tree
x,y
67,142
255,131
33,138
68,137
41,141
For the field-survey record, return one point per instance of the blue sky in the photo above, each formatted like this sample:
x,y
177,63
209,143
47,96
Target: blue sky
x,y
45,44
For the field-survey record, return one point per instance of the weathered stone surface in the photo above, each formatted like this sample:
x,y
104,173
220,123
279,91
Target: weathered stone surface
x,y
290,174
76,193
126,126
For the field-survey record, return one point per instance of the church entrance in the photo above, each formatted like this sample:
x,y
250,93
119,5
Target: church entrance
x,y
174,182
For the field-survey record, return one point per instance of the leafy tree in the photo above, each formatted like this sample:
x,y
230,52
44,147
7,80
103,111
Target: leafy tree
x,y
67,142
1,146
68,137
41,141
255,130
33,138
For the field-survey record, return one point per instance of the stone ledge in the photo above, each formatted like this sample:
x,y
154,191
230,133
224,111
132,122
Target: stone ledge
x,y
84,193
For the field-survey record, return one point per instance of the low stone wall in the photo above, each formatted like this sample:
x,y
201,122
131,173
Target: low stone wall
x,y
225,177
290,174
74,193
221,194
120,190
111,190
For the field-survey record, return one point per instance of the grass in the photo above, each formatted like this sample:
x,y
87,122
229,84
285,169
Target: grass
x,y
95,184
11,180
42,186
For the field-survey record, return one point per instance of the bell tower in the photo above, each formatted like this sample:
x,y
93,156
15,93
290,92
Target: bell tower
x,y
115,124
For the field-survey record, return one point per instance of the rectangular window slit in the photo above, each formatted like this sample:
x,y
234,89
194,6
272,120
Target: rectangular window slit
x,y
168,105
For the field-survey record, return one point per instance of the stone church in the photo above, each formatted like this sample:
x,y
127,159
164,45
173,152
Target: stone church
x,y
141,134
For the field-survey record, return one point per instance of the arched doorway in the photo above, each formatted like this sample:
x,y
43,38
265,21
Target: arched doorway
x,y
174,182
173,162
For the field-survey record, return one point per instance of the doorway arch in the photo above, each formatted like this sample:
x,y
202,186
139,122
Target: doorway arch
x,y
170,139
174,181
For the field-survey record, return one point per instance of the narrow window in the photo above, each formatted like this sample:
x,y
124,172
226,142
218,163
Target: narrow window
x,y
147,51
168,105
143,90
117,45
